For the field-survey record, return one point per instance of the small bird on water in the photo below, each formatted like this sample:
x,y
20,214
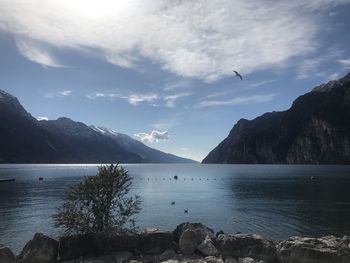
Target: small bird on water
x,y
173,203
186,211
237,74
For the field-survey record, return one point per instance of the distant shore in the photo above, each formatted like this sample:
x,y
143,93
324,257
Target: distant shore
x,y
189,242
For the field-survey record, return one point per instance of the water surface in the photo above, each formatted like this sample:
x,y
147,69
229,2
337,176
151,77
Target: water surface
x,y
276,201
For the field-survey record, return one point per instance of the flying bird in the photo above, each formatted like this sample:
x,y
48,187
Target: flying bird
x,y
237,74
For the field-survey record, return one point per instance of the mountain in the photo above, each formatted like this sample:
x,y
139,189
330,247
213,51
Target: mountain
x,y
148,154
24,139
315,130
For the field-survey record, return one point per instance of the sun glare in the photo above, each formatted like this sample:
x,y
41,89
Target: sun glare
x,y
98,8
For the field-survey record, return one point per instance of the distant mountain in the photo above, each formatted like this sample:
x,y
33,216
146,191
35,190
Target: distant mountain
x,y
23,139
315,130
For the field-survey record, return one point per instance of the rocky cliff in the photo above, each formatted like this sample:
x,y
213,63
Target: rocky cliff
x,y
315,130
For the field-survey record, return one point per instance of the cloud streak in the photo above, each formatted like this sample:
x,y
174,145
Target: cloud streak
x,y
194,39
243,100
136,99
312,66
154,136
58,94
38,53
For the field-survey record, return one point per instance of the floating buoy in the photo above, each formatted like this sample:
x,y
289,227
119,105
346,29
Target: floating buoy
x,y
175,177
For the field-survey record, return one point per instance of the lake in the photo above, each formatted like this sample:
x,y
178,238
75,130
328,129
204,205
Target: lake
x,y
276,201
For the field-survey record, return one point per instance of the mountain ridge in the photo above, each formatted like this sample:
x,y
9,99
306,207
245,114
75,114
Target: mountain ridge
x,y
24,139
314,130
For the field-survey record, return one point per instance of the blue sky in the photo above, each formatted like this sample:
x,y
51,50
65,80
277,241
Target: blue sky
x,y
161,71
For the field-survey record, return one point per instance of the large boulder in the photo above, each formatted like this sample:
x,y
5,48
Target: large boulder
x,y
72,247
201,229
189,241
156,241
241,246
207,248
314,250
114,241
6,255
41,249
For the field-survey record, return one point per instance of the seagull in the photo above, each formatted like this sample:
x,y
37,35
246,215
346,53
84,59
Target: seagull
x,y
237,74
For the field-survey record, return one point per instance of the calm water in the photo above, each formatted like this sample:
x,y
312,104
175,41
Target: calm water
x,y
275,201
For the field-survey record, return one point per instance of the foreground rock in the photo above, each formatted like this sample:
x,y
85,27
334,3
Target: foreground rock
x,y
156,242
72,247
241,246
314,250
116,241
201,230
6,255
207,248
190,242
41,249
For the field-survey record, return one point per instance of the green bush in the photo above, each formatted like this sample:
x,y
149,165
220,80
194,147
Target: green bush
x,y
99,203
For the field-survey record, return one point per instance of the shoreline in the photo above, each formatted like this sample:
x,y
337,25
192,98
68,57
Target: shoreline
x,y
188,242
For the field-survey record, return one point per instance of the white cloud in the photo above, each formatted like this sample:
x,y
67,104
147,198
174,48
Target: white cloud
x,y
135,98
194,39
344,62
154,136
170,100
95,95
42,118
37,53
63,93
243,100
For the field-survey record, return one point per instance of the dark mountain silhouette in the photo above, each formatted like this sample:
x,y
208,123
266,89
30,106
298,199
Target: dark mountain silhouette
x,y
315,130
24,139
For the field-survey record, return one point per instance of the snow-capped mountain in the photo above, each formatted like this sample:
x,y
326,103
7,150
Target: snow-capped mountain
x,y
24,139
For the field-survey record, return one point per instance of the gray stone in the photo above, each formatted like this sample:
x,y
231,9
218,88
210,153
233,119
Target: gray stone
x,y
41,249
156,242
207,248
201,229
189,241
72,247
241,246
313,250
212,259
6,255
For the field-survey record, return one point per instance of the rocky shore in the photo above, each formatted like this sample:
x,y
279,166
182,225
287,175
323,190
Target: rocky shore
x,y
189,242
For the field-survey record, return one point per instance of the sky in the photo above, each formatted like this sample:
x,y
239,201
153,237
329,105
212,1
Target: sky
x,y
162,71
